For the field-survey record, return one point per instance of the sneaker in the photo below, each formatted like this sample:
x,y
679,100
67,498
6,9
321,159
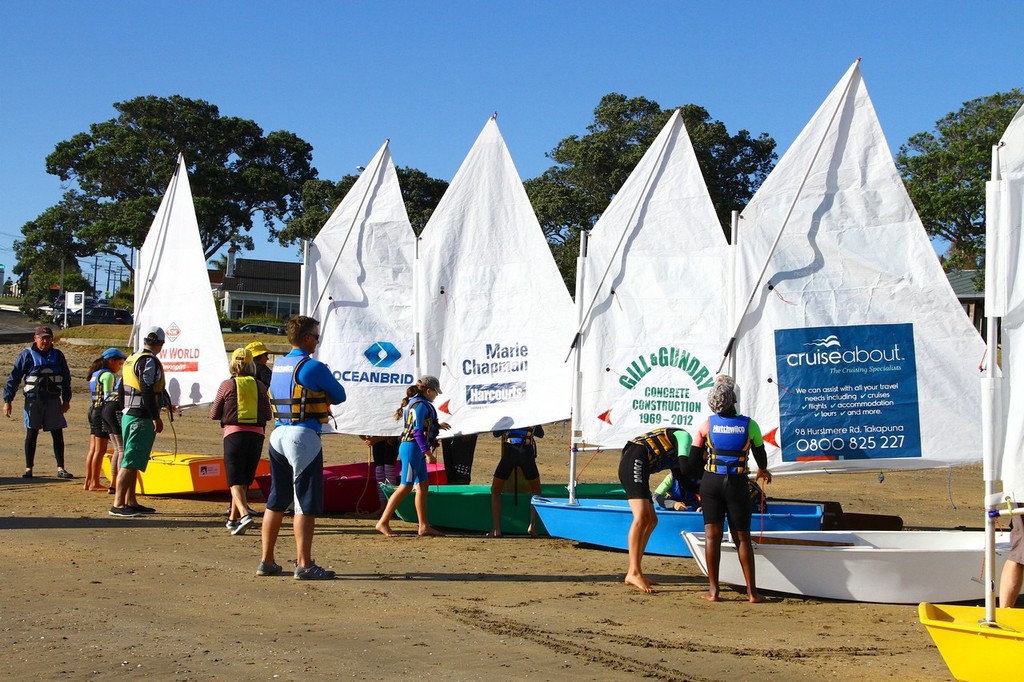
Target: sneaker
x,y
242,525
270,568
27,474
231,526
141,509
252,512
313,572
65,474
123,511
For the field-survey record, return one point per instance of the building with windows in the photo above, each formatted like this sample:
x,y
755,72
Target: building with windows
x,y
259,288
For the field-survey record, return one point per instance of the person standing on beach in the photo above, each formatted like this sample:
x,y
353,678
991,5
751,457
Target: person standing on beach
x,y
260,355
518,451
642,456
418,442
47,396
384,450
111,413
143,381
242,405
728,439
102,382
302,391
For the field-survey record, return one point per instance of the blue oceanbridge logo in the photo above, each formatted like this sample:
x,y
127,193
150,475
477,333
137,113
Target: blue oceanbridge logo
x,y
382,354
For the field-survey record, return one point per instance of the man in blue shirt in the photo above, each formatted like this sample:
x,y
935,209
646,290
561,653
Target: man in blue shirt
x,y
302,391
47,396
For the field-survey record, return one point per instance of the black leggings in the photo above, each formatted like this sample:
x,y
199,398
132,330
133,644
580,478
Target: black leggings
x,y
32,435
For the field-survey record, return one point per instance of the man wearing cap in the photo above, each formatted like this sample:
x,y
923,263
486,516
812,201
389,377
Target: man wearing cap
x,y
302,391
260,355
143,380
47,396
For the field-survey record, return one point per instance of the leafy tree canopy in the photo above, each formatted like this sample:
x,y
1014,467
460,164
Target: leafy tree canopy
x,y
420,192
590,169
945,171
120,168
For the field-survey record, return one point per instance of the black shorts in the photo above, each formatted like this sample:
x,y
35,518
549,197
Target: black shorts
x,y
724,497
385,452
242,451
522,456
634,472
111,415
96,426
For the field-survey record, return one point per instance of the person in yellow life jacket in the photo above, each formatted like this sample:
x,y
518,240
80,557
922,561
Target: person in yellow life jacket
x,y
143,379
723,446
642,456
518,451
242,405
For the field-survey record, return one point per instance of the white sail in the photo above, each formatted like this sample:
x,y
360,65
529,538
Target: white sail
x,y
656,284
853,345
358,283
496,316
172,291
1004,297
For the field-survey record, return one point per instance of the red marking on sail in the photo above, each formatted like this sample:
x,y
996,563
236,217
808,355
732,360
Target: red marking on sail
x,y
444,407
606,416
772,437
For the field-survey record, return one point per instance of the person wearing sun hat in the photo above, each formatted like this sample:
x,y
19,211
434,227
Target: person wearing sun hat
x,y
722,445
260,355
242,405
47,396
143,380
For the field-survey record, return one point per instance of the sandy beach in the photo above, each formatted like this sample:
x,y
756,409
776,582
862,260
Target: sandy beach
x,y
173,596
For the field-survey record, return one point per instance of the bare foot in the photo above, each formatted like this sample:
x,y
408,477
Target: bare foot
x,y
98,489
494,534
640,582
709,596
430,532
532,531
755,598
385,528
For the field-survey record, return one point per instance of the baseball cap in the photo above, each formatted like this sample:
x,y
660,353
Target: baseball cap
x,y
257,348
43,331
241,355
155,335
112,353
430,381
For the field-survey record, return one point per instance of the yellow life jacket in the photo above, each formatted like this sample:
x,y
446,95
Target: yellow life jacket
x,y
132,382
248,398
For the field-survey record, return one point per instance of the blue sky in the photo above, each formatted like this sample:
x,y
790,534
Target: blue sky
x,y
346,75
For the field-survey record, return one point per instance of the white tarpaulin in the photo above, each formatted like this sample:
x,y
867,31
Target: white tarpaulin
x,y
656,282
172,291
496,318
854,352
1004,296
358,283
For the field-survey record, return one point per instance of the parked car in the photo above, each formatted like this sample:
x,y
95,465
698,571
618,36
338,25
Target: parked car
x,y
97,316
262,329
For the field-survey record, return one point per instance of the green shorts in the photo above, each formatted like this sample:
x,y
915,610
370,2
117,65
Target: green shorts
x,y
139,435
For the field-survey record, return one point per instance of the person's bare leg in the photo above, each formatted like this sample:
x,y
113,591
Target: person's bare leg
x,y
268,534
239,507
124,493
746,554
496,486
644,521
712,557
304,524
384,523
425,529
1010,579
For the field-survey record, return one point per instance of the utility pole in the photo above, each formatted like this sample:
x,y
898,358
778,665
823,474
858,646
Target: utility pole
x,y
95,266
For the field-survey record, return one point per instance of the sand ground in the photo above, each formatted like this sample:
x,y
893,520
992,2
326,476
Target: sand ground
x,y
174,596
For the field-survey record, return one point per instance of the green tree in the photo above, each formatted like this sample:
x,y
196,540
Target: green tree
x,y
120,168
945,171
571,195
420,193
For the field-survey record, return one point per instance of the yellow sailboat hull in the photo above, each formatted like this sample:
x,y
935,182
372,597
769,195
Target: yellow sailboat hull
x,y
170,474
973,651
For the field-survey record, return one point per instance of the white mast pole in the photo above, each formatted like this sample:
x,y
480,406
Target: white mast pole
x,y
576,432
989,427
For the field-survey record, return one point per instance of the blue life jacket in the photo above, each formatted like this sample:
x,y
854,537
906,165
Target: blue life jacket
x,y
293,403
519,436
96,388
728,444
430,424
44,379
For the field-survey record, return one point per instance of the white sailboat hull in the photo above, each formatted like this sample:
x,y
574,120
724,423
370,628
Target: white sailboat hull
x,y
892,567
